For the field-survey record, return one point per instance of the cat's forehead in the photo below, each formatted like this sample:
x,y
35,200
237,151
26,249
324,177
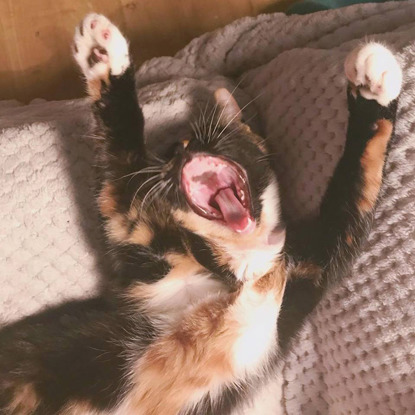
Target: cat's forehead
x,y
173,108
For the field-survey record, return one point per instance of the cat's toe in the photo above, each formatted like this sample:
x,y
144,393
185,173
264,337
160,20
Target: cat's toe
x,y
99,48
375,72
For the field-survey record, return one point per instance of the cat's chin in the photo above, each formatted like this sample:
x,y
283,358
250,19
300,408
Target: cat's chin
x,y
217,189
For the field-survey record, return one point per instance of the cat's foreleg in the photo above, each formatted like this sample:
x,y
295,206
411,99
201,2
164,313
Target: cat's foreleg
x,y
323,251
102,53
346,212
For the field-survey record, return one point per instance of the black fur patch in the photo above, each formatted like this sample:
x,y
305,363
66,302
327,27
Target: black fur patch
x,y
74,352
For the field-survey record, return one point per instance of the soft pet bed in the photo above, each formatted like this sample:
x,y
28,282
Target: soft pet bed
x,y
356,353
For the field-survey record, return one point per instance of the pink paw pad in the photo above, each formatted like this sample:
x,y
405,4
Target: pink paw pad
x,y
106,34
101,55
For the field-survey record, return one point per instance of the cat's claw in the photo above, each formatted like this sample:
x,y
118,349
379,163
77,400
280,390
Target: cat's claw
x,y
375,72
99,48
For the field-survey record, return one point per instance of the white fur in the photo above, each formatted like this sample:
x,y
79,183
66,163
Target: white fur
x,y
270,200
257,316
170,298
258,258
252,263
115,45
258,338
375,71
267,399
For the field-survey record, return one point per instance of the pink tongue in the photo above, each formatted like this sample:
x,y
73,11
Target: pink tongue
x,y
234,214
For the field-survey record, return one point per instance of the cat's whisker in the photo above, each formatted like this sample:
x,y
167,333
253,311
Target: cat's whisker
x,y
135,174
140,172
265,157
202,119
212,116
95,137
166,189
197,123
228,135
170,186
156,157
224,106
152,193
156,177
239,112
196,130
232,132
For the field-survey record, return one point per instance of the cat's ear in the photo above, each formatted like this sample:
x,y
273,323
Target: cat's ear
x,y
230,108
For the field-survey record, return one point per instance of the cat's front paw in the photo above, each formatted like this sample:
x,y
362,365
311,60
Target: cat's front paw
x,y
99,48
375,72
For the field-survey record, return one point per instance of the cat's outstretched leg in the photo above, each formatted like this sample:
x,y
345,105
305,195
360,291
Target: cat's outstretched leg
x,y
327,246
375,82
101,52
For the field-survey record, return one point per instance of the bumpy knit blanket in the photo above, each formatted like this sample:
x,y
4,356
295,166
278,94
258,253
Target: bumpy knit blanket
x,y
356,353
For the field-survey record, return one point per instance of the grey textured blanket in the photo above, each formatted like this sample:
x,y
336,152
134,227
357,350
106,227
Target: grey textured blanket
x,y
356,353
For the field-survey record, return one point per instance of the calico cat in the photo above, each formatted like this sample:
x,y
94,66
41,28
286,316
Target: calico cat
x,y
202,260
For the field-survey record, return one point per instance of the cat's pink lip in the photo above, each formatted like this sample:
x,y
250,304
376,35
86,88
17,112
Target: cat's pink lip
x,y
217,189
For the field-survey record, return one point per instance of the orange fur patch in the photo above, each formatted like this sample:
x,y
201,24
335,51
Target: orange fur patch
x,y
307,269
191,358
79,408
272,282
24,401
94,87
118,224
117,228
142,234
372,162
256,139
183,264
349,239
107,203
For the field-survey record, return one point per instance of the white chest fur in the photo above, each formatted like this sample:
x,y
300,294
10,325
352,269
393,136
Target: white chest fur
x,y
186,284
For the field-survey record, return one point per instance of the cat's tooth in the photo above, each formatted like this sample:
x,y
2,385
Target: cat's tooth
x,y
241,195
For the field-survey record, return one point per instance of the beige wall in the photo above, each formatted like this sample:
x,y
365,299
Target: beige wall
x,y
35,36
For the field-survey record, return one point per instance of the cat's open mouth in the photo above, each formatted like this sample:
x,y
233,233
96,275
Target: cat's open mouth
x,y
217,189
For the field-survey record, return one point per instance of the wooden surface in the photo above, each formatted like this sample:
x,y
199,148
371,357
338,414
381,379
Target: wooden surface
x,y
36,35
